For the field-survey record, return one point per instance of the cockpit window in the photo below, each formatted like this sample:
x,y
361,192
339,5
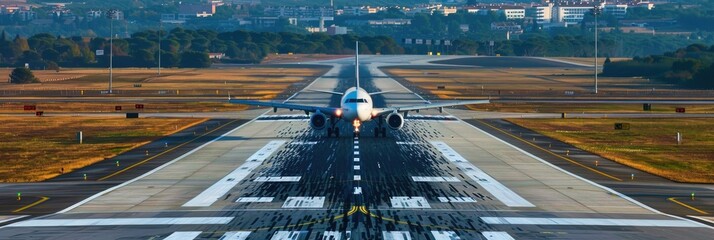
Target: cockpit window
x,y
356,100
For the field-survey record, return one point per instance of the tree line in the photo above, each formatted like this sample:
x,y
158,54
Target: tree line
x,y
691,66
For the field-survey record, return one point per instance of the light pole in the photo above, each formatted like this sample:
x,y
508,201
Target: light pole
x,y
161,26
596,11
111,13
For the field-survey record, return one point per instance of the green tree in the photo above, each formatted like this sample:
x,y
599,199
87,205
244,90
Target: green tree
x,y
22,75
192,59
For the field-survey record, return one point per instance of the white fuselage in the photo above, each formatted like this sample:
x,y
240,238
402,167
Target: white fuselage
x,y
356,104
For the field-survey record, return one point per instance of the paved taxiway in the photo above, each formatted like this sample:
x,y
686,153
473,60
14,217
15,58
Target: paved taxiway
x,y
439,178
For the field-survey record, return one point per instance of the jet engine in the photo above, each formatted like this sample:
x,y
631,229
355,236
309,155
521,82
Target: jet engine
x,y
395,121
318,121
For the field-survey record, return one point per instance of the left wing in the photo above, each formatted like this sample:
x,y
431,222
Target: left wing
x,y
440,106
330,111
325,91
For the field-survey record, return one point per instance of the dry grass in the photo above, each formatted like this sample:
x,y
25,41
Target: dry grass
x,y
650,145
469,82
261,82
291,58
586,108
35,149
108,107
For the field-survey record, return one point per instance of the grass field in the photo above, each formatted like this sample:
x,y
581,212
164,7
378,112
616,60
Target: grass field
x,y
470,82
109,107
35,149
257,82
650,145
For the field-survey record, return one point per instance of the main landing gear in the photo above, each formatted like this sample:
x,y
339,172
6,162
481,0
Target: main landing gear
x,y
332,129
379,129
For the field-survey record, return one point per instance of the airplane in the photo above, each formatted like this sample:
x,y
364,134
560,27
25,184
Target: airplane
x,y
356,106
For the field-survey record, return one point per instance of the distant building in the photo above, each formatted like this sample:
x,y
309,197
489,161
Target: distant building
x,y
394,21
511,12
571,13
218,56
542,14
336,30
506,26
188,11
299,12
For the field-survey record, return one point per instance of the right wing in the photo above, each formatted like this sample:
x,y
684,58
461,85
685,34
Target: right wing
x,y
330,111
325,91
440,106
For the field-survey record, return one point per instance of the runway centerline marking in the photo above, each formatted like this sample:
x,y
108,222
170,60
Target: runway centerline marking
x,y
183,235
123,222
220,188
589,222
493,186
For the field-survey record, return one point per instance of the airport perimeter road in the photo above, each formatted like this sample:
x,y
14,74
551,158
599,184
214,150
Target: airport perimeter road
x,y
438,178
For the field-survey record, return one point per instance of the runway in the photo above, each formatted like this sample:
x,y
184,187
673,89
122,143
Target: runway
x,y
437,178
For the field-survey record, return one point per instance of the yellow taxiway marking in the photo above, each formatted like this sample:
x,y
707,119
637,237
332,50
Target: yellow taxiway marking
x,y
162,153
674,200
42,199
554,154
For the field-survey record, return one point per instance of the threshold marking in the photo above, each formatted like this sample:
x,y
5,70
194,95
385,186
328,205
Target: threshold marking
x,y
498,190
409,202
304,202
445,235
278,179
335,235
589,222
457,199
396,235
122,221
255,199
497,236
239,235
220,188
435,179
286,235
183,235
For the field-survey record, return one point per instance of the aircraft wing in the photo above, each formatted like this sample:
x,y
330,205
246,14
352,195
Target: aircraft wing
x,y
324,91
402,109
330,111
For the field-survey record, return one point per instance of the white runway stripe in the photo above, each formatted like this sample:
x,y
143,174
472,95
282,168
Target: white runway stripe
x,y
286,235
255,199
445,235
589,222
356,159
497,236
356,153
434,179
335,235
357,178
409,202
457,199
498,190
304,202
358,190
122,221
11,218
303,143
396,235
220,188
277,179
182,235
356,167
241,235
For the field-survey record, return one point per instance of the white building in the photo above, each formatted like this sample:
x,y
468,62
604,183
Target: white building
x,y
617,10
511,12
542,14
571,14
